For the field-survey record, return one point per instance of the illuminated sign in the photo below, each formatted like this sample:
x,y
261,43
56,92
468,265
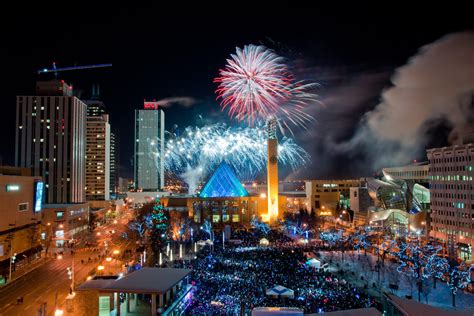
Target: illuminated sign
x,y
150,105
326,213
13,187
39,196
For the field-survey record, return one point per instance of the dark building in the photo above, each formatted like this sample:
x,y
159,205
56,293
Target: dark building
x,y
50,139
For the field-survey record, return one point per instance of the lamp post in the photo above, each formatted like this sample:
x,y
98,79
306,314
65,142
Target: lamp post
x,y
70,273
12,260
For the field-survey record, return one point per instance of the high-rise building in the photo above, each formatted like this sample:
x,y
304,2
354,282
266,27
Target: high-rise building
x,y
272,170
50,139
95,107
149,168
97,158
114,162
451,177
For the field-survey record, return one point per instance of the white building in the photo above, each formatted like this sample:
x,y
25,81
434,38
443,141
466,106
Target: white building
x,y
149,168
50,139
452,197
98,158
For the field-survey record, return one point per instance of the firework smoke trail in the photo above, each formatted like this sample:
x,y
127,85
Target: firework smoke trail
x,y
257,84
245,149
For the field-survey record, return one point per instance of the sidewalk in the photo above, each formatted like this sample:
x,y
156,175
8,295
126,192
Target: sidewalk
x,y
25,270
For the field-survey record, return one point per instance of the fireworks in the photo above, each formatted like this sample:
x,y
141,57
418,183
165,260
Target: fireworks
x,y
245,149
256,84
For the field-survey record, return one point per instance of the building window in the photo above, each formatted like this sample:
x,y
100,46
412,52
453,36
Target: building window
x,y
235,218
22,207
216,218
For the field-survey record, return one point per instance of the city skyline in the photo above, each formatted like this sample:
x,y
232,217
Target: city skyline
x,y
252,161
351,60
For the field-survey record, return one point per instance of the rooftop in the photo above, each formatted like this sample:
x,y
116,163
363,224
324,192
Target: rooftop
x,y
146,280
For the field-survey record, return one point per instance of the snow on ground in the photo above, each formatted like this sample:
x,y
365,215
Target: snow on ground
x,y
365,267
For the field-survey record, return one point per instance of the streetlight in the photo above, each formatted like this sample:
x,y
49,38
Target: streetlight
x,y
12,260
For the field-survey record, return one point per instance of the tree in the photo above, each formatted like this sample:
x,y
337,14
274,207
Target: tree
x,y
207,227
416,261
360,241
312,218
159,226
457,276
259,225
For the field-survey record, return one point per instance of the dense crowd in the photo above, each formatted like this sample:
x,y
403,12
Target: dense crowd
x,y
230,279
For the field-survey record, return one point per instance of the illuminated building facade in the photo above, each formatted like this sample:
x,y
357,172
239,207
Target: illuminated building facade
x,y
222,201
149,168
98,158
223,183
65,222
324,196
401,200
51,140
452,197
114,162
272,170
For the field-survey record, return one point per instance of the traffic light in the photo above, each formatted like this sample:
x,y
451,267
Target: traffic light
x,y
69,273
14,257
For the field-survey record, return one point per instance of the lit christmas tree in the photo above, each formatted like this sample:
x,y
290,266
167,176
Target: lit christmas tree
x,y
159,227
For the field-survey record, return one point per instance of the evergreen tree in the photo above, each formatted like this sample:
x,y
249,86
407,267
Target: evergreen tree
x,y
159,226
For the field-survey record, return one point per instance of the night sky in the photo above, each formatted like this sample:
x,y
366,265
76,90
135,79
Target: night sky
x,y
159,53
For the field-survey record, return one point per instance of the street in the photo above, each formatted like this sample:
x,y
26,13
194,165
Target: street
x,y
51,279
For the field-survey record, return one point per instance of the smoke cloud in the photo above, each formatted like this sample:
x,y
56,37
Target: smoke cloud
x,y
192,177
434,88
183,101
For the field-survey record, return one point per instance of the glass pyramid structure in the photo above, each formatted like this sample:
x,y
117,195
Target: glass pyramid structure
x,y
223,183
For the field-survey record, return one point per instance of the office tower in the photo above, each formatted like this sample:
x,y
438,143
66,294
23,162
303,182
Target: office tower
x,y
97,158
114,162
452,197
95,107
50,139
149,147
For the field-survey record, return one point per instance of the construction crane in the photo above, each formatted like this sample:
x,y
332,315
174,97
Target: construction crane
x,y
55,70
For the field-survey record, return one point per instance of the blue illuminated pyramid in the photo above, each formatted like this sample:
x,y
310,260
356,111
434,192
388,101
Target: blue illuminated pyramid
x,y
223,183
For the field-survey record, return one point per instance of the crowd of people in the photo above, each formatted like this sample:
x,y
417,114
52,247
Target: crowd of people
x,y
238,277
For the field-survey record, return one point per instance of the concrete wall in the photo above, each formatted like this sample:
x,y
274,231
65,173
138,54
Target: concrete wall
x,y
19,229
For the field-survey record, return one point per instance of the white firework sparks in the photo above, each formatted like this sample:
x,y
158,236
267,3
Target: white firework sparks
x,y
245,149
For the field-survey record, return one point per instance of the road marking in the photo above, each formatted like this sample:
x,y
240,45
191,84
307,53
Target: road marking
x,y
7,309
